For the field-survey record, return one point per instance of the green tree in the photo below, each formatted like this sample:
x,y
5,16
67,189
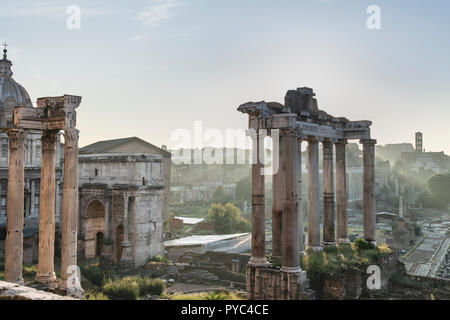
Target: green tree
x,y
244,189
227,219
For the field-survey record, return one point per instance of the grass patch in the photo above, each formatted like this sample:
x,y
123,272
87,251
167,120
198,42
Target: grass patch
x,y
340,258
133,287
215,295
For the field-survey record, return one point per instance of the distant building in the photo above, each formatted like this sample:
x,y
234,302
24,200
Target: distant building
x,y
124,186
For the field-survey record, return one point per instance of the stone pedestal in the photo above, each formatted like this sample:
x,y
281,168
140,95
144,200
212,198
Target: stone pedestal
x,y
69,213
328,195
14,208
126,262
313,196
46,268
341,192
369,217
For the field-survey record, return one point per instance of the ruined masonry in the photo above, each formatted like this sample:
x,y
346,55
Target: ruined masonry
x,y
51,115
298,120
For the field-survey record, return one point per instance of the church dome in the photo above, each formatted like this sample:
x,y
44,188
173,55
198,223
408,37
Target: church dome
x,y
10,90
11,93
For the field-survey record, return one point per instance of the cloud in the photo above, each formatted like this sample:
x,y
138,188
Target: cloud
x,y
159,11
138,37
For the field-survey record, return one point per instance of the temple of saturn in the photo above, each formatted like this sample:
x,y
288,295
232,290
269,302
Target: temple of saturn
x,y
299,120
52,115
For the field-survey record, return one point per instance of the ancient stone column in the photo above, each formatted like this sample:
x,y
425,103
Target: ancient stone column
x,y
328,194
369,217
291,252
46,268
69,215
301,240
401,208
258,254
313,195
341,192
126,261
14,208
277,204
107,241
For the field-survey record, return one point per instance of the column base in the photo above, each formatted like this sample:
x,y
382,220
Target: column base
x,y
291,269
49,278
258,262
329,244
315,248
343,240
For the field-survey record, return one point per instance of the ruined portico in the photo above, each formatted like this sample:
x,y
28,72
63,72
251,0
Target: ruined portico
x,y
298,120
52,115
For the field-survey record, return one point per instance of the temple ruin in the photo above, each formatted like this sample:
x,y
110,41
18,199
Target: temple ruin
x,y
52,115
298,120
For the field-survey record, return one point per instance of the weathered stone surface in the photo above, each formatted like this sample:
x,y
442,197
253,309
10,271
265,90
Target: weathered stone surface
x,y
11,291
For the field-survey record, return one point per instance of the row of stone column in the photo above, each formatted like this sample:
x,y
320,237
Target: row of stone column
x,y
14,235
287,229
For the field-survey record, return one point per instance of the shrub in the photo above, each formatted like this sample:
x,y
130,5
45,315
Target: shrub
x,y
160,258
122,289
361,244
94,274
150,286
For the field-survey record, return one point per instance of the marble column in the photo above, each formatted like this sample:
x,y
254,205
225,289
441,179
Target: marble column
x,y
69,214
328,194
369,217
301,239
291,252
14,208
277,204
313,195
258,251
341,192
46,268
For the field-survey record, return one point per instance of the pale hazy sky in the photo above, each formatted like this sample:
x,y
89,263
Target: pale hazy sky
x,y
147,68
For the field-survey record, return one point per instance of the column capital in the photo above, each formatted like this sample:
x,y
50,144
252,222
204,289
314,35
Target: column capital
x,y
312,139
341,141
49,139
16,138
368,141
328,141
289,132
71,138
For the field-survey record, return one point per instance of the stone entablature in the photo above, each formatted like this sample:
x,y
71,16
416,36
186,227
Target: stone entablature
x,y
12,291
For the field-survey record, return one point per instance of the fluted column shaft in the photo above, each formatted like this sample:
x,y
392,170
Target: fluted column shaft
x,y
46,268
69,213
328,194
313,195
14,208
341,192
291,252
369,217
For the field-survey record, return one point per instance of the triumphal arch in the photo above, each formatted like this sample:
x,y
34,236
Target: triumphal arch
x,y
52,115
296,121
